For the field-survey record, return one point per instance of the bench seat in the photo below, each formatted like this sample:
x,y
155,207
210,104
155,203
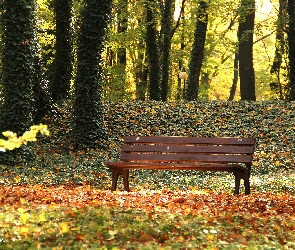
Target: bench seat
x,y
185,153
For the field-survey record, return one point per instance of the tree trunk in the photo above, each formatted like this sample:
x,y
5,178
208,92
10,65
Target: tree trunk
x,y
275,70
122,28
152,52
63,61
291,43
88,130
18,71
197,54
235,79
245,37
166,35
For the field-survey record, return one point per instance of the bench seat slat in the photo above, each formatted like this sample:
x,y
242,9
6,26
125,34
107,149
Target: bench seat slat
x,y
186,158
171,166
188,149
189,140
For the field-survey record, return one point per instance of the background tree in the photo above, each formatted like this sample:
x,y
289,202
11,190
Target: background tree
x,y
63,61
166,34
235,78
197,53
291,45
280,51
245,37
88,116
152,48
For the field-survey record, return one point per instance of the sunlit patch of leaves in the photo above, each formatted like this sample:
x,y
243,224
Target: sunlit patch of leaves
x,y
39,217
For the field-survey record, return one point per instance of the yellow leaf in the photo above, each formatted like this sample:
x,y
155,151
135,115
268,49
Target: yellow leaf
x,y
24,217
64,227
210,236
277,163
8,134
22,200
180,239
42,217
17,179
24,230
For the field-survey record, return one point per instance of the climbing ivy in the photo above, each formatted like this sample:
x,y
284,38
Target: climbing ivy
x,y
18,55
88,118
63,62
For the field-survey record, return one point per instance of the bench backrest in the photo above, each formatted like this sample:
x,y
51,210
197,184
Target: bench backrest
x,y
187,149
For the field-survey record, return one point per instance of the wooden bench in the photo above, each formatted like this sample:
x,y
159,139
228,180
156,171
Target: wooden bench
x,y
185,153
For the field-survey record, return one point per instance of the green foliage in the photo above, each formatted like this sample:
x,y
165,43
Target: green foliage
x,y
272,123
88,117
115,84
120,228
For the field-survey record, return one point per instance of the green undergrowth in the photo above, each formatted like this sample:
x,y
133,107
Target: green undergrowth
x,y
271,123
117,228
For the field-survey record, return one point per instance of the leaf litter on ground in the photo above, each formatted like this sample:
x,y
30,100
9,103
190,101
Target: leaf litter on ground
x,y
171,219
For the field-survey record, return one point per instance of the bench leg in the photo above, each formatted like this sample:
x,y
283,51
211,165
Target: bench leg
x,y
126,179
237,182
247,185
241,175
115,175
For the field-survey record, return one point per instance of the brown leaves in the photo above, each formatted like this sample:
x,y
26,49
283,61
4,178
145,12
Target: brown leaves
x,y
176,202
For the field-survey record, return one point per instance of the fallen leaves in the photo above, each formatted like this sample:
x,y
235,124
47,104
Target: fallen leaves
x,y
169,201
85,217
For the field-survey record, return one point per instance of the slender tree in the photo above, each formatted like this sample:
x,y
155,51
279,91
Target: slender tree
x,y
291,45
88,128
235,79
276,85
152,47
122,28
165,46
197,53
152,52
63,61
245,38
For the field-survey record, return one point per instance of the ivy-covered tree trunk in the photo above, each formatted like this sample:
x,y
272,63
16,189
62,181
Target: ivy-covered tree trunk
x,y
291,43
19,52
197,53
152,48
63,61
245,38
88,130
166,34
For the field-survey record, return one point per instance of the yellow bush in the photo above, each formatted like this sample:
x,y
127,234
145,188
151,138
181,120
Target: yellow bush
x,y
13,141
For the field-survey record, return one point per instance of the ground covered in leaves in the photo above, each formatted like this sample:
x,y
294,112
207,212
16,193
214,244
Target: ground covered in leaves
x,y
61,197
38,217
